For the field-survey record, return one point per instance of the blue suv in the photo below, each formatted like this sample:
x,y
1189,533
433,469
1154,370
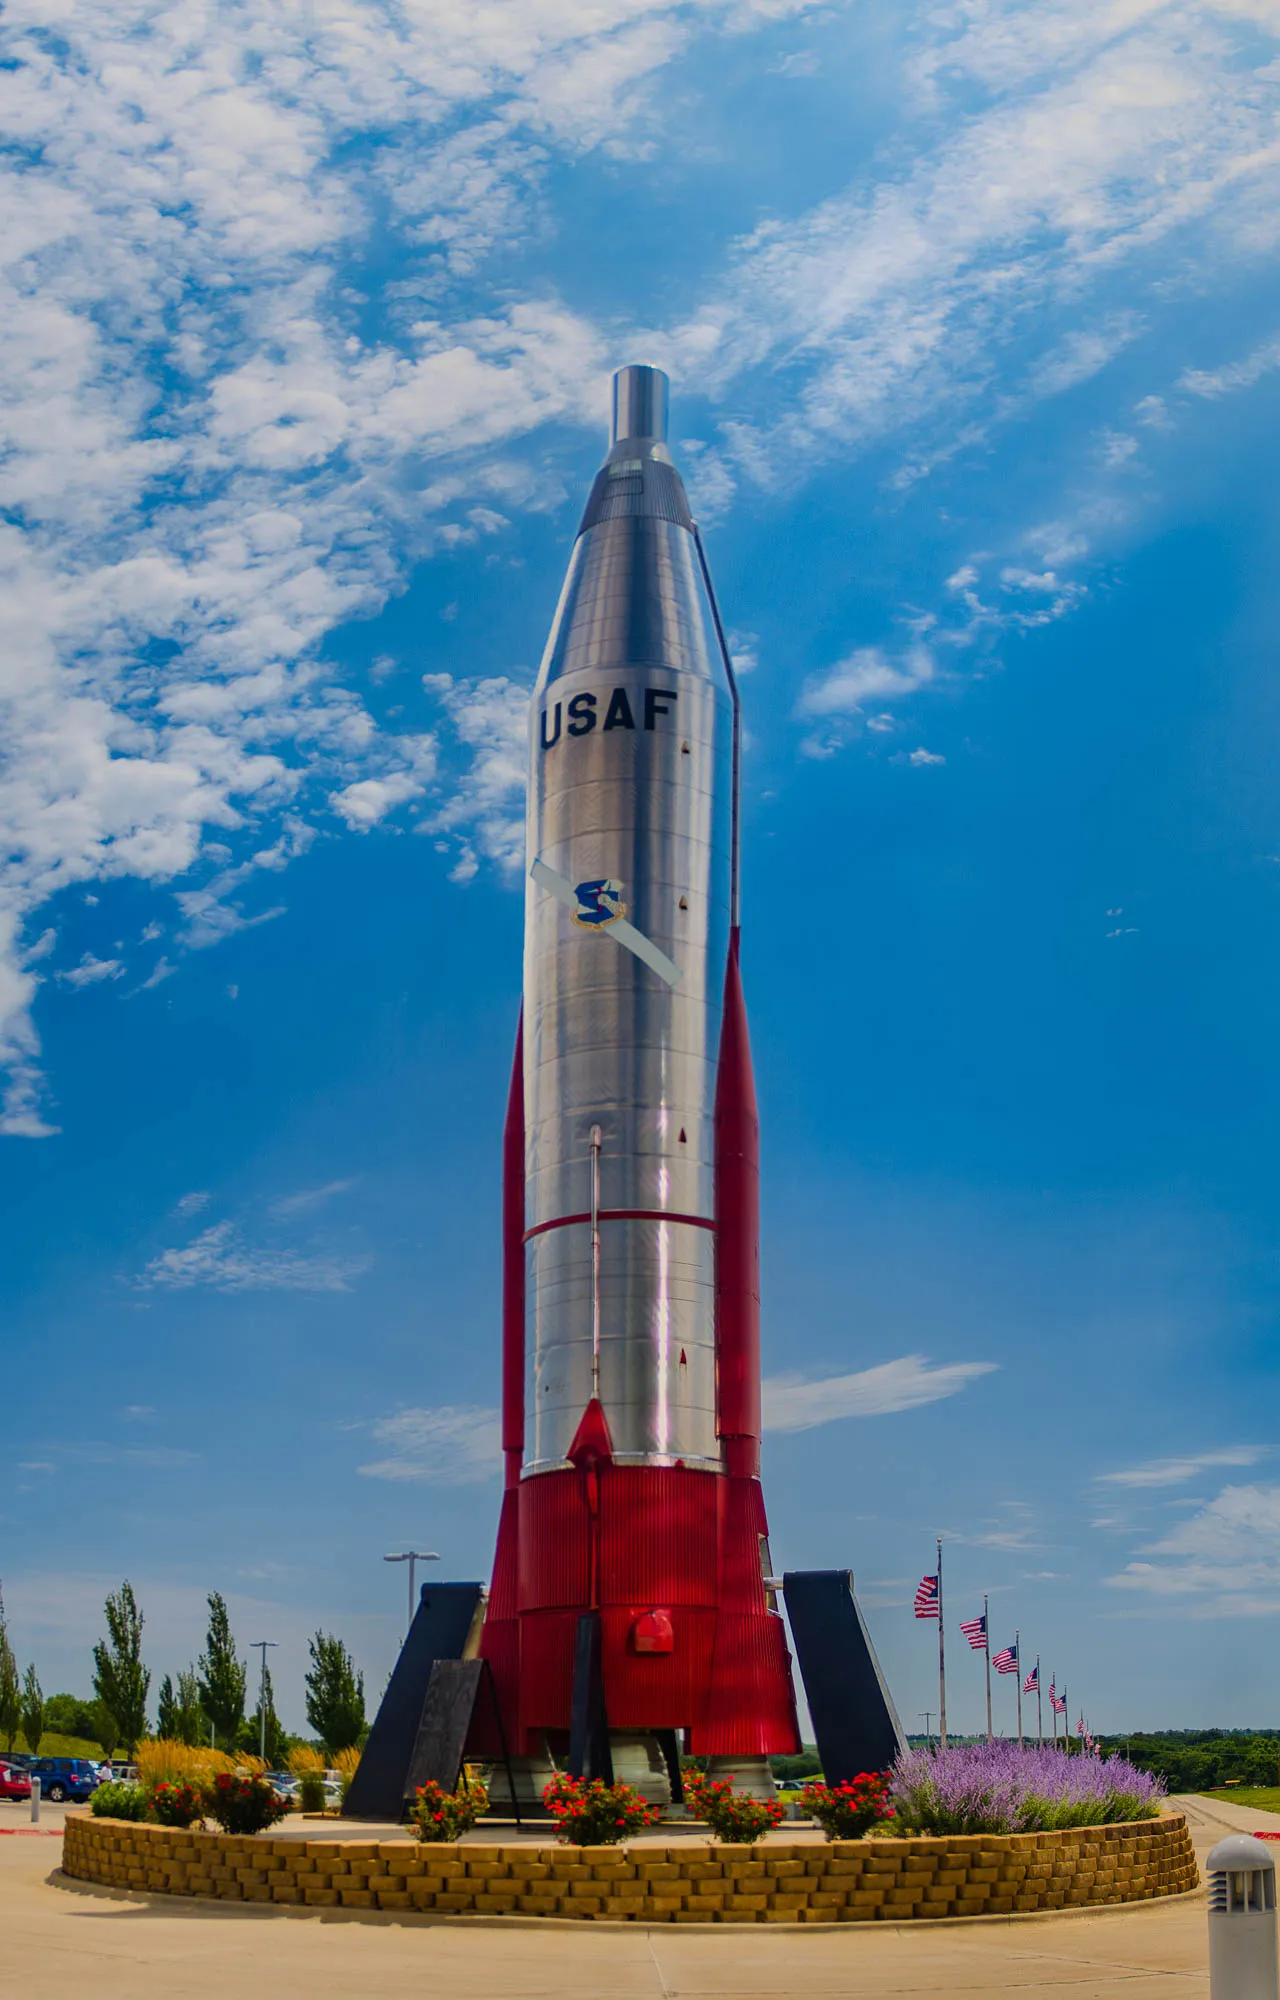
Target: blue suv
x,y
73,1778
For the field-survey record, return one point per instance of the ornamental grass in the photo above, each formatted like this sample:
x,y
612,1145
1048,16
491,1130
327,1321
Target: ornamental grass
x,y
998,1788
162,1762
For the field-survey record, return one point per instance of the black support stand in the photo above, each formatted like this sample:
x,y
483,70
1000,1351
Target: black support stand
x,y
440,1628
589,1752
854,1718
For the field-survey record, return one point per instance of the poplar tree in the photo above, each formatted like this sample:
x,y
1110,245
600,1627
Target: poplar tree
x,y
253,1730
335,1694
10,1685
32,1710
190,1714
167,1713
222,1675
120,1680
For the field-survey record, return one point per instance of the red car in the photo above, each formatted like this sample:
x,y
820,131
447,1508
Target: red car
x,y
14,1784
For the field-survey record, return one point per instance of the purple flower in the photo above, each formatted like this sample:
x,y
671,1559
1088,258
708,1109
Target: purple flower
x,y
997,1788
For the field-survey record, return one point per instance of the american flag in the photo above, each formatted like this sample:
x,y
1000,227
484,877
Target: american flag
x,y
1032,1682
1007,1661
1080,1727
1057,1702
975,1631
927,1597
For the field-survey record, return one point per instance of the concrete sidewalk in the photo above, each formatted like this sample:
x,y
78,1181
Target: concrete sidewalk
x,y
127,1948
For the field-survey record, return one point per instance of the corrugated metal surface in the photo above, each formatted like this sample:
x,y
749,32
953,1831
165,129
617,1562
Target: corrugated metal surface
x,y
554,1543
751,1710
659,1535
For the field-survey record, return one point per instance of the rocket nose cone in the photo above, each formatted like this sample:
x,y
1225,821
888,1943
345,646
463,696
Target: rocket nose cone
x,y
639,404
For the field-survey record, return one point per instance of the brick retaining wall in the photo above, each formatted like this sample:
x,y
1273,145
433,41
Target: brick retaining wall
x,y
842,1881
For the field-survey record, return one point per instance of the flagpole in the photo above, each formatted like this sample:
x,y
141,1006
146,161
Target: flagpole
x,y
986,1629
1066,1721
1017,1649
1039,1709
942,1662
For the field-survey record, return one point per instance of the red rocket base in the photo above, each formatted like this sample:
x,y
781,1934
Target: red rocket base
x,y
673,1559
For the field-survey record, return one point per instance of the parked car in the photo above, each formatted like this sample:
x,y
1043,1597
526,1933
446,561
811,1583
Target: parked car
x,y
14,1784
63,1778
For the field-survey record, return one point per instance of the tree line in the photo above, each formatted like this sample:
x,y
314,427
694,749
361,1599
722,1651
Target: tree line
x,y
205,1704
1202,1760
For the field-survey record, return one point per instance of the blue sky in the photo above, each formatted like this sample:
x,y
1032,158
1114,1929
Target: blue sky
x,y
971,315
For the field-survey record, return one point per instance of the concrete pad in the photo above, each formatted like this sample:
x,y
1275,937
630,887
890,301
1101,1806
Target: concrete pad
x,y
124,1947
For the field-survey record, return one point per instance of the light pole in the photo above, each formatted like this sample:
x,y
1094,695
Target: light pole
x,y
413,1557
927,1713
262,1694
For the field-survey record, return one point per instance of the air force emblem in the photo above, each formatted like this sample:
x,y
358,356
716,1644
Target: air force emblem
x,y
598,903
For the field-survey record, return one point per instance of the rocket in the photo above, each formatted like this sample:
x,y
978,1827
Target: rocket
x,y
632,1602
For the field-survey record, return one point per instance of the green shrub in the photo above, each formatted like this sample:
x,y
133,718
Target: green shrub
x,y
440,1815
311,1792
243,1804
732,1815
848,1811
589,1813
116,1800
176,1805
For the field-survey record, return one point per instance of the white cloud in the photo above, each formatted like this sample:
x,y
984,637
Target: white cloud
x,y
451,1446
212,460
411,767
1223,1561
306,1199
91,971
1176,1471
792,1403
1212,383
922,757
191,1204
217,455
866,675
222,1259
490,718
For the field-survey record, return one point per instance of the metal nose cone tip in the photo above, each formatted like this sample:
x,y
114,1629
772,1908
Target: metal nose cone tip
x,y
639,404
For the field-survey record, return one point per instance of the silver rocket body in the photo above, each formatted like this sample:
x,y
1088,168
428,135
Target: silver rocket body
x,y
631,803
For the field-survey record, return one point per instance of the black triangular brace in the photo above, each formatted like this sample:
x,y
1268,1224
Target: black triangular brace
x,y
447,1711
854,1719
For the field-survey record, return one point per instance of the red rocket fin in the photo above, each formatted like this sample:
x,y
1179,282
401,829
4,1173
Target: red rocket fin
x,y
592,1443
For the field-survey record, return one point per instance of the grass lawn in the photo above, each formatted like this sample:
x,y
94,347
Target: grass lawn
x,y
1259,1798
53,1745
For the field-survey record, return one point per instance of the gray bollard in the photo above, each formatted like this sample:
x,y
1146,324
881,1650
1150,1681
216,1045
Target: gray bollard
x,y
1242,1921
35,1800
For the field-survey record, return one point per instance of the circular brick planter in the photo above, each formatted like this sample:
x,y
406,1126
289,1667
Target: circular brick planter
x,y
823,1882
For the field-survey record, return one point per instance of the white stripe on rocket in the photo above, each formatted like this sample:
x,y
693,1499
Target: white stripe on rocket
x,y
620,930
